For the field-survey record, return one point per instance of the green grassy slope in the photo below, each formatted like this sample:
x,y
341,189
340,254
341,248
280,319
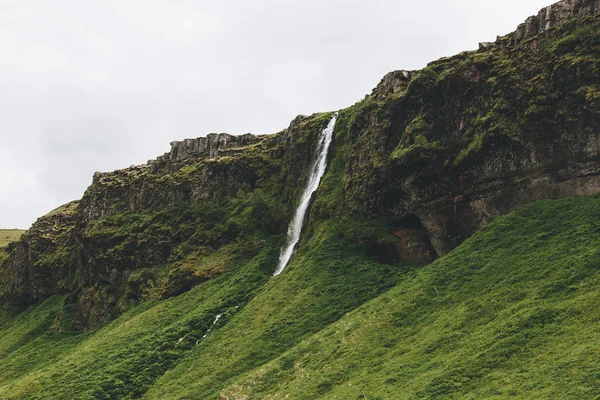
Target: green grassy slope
x,y
40,358
513,312
121,359
9,235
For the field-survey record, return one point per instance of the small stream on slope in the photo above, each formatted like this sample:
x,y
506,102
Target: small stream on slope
x,y
314,178
217,318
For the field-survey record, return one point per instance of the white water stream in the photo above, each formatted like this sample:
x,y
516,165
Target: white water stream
x,y
314,178
217,318
213,324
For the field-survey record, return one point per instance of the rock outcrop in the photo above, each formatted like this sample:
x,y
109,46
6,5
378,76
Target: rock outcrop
x,y
211,146
392,83
480,134
556,15
41,259
194,170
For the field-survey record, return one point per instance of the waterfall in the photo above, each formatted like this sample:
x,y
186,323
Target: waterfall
x,y
314,178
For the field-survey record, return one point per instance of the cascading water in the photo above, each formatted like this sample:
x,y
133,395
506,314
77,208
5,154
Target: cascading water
x,y
217,318
314,178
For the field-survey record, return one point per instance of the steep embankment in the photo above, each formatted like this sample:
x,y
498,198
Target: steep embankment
x,y
112,296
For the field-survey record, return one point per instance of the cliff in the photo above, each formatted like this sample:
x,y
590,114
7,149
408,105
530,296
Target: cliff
x,y
474,136
430,155
556,15
143,232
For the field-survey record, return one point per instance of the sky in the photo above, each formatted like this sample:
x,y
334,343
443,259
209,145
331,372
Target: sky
x,y
99,85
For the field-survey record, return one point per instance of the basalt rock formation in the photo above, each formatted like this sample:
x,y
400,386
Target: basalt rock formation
x,y
477,135
435,154
37,263
556,15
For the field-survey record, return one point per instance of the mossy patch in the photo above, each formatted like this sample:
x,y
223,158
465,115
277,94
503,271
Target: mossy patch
x,y
10,235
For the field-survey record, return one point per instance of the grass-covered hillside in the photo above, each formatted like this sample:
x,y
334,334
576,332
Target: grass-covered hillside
x,y
510,313
9,235
158,283
137,354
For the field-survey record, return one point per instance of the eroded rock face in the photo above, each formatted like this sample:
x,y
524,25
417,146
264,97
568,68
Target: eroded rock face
x,y
212,145
139,188
40,259
480,134
165,182
555,15
201,170
392,83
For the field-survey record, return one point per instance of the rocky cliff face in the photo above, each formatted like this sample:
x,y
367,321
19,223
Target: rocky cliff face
x,y
475,136
547,18
436,154
556,15
38,264
206,168
162,218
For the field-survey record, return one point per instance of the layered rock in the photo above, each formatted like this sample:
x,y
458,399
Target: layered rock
x,y
41,259
392,83
211,146
477,135
556,15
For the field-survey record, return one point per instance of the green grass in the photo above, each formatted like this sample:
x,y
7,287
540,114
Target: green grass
x,y
331,278
124,358
121,359
510,313
141,351
9,235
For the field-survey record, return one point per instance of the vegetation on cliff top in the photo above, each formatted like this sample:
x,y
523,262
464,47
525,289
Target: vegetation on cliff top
x,y
9,235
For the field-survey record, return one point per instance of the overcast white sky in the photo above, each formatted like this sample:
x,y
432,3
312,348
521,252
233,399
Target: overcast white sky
x,y
98,85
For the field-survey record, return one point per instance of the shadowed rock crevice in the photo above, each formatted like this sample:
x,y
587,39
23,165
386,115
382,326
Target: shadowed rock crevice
x,y
410,244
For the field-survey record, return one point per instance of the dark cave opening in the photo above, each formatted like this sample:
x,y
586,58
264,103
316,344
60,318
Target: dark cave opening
x,y
409,244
